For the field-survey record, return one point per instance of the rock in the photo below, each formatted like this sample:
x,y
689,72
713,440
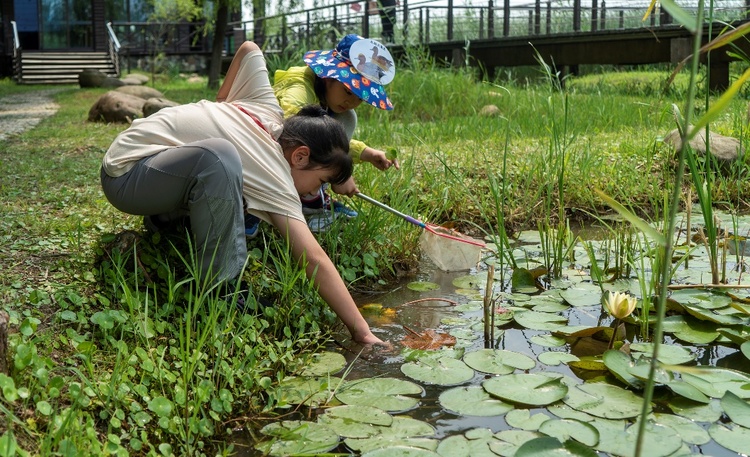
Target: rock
x,y
115,106
153,105
143,92
95,78
131,81
724,148
142,79
489,111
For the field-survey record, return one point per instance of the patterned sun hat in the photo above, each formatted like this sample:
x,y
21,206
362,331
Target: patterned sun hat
x,y
363,65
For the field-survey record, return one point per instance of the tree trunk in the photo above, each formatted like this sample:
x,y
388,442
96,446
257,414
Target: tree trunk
x,y
4,342
214,69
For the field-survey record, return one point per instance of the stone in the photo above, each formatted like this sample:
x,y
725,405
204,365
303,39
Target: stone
x,y
141,78
115,106
95,78
724,148
154,104
489,111
143,92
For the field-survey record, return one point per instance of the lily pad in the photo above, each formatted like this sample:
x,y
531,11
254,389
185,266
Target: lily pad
x,y
714,382
422,286
404,431
401,451
618,363
527,389
604,400
699,412
498,361
564,429
522,418
548,340
583,294
472,401
689,431
297,437
470,281
310,391
324,363
668,354
551,447
355,421
538,321
445,371
734,437
389,394
553,358
474,443
615,439
690,329
736,408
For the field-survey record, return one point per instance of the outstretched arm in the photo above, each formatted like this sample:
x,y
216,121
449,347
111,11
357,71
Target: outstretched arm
x,y
234,67
326,278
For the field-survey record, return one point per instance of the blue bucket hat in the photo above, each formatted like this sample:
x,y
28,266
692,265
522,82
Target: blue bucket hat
x,y
363,65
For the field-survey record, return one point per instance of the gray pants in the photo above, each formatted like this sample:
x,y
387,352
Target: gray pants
x,y
202,180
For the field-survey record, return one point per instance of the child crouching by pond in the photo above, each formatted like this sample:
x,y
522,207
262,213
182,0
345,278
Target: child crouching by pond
x,y
215,162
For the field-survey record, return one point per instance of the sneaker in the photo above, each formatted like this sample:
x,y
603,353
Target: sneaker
x,y
340,208
324,204
321,221
252,226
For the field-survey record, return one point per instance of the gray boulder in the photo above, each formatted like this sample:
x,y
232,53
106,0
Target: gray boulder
x,y
724,148
95,78
116,106
143,92
153,105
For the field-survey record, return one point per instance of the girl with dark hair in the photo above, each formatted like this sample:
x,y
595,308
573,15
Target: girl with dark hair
x,y
216,162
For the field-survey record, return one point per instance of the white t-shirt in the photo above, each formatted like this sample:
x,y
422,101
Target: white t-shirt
x,y
268,184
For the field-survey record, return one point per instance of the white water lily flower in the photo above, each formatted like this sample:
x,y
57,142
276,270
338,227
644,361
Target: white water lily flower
x,y
620,304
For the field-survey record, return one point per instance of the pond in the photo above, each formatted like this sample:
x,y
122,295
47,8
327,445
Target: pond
x,y
546,384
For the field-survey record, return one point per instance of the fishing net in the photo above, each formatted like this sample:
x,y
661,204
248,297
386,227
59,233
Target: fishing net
x,y
450,250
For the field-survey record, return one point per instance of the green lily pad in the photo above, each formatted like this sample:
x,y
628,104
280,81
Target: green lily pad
x,y
324,363
538,321
522,418
714,382
734,437
689,431
688,391
310,391
389,394
498,361
360,414
695,411
701,297
470,282
445,371
553,358
736,408
297,437
422,286
566,412
604,400
713,315
583,294
472,401
565,429
745,348
404,431
401,451
551,447
511,440
548,340
615,439
523,281
527,389
589,363
668,354
690,329
618,363
474,443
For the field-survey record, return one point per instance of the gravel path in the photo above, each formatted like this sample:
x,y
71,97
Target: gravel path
x,y
21,112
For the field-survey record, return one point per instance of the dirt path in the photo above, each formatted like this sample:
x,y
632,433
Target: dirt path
x,y
21,112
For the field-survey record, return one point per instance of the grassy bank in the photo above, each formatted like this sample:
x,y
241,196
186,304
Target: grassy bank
x,y
116,350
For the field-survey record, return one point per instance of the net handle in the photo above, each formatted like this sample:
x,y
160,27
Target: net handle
x,y
417,222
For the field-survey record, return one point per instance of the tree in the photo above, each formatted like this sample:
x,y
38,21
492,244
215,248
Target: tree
x,y
223,8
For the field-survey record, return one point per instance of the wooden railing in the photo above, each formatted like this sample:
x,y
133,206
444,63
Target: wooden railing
x,y
17,53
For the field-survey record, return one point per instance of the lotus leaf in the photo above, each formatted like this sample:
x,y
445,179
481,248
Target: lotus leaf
x,y
474,305
583,294
511,440
498,361
714,315
589,363
734,438
311,391
689,431
745,348
297,437
738,335
527,389
523,281
699,412
472,401
688,391
553,358
714,382
618,363
736,408
668,354
361,414
522,418
445,371
566,412
388,394
401,451
404,431
422,286
470,282
468,445
551,447
548,340
690,329
324,363
604,400
564,429
615,439
701,297
538,321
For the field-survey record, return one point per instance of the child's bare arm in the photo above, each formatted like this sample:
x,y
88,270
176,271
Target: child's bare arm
x,y
234,67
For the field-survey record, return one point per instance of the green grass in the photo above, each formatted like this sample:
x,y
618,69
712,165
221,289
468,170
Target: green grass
x,y
116,348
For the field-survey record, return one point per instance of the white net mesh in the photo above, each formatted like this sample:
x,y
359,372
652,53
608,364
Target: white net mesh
x,y
448,254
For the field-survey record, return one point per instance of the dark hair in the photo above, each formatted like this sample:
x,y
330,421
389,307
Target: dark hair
x,y
326,138
319,86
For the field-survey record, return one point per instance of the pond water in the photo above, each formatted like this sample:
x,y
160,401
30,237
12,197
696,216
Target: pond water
x,y
454,305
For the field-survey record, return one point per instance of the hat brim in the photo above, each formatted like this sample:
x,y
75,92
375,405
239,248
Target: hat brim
x,y
329,64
